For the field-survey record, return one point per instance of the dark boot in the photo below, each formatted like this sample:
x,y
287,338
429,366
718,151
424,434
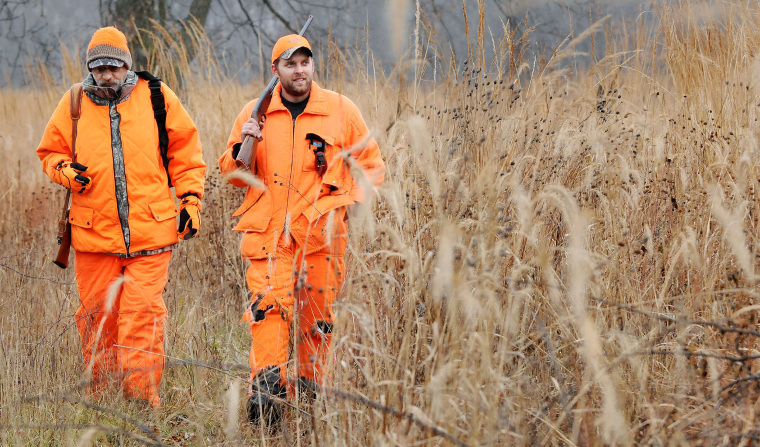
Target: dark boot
x,y
307,390
264,404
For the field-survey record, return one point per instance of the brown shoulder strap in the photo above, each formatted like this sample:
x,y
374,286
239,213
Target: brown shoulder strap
x,y
76,112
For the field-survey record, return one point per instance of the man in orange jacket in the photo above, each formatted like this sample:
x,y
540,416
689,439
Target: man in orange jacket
x,y
123,215
295,228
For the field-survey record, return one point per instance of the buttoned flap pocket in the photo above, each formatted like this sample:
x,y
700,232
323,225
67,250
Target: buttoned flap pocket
x,y
318,143
81,216
164,210
256,218
251,197
326,204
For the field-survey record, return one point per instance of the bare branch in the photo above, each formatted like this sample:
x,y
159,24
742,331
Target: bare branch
x,y
282,19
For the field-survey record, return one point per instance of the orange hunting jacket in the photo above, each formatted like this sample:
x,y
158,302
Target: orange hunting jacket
x,y
287,167
129,209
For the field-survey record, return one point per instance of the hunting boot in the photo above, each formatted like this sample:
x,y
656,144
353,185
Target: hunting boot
x,y
264,403
307,390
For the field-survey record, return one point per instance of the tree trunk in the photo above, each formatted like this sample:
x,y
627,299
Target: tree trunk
x,y
198,12
135,17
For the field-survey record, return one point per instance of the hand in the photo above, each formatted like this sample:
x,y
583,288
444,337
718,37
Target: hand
x,y
189,217
69,174
251,128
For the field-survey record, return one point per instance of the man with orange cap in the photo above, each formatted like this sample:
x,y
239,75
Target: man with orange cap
x,y
295,226
123,215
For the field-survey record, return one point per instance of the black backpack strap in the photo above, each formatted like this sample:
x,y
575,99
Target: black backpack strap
x,y
159,112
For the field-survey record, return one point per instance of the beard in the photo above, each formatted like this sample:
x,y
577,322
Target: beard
x,y
294,89
110,89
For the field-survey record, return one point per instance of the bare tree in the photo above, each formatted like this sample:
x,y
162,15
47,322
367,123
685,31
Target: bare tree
x,y
242,32
22,34
253,27
138,17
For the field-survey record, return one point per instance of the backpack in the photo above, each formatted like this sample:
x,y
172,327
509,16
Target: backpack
x,y
159,112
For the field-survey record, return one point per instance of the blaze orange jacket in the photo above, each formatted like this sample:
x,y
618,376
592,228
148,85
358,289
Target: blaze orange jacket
x,y
129,209
287,167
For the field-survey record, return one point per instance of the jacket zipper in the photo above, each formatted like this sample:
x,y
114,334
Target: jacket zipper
x,y
119,173
290,177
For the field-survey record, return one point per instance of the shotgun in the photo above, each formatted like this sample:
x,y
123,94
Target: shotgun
x,y
246,157
64,226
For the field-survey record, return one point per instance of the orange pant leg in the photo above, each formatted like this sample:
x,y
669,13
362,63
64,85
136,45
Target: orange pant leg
x,y
96,318
322,277
142,322
270,314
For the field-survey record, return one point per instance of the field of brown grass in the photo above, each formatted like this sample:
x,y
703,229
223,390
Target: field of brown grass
x,y
559,255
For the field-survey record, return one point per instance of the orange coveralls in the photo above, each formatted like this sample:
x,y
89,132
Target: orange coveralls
x,y
295,230
125,225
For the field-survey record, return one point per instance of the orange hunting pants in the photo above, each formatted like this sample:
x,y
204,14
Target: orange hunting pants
x,y
121,320
294,287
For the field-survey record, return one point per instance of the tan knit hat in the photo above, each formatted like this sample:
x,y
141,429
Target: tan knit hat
x,y
108,43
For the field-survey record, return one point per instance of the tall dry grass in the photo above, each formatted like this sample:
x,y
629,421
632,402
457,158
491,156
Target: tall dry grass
x,y
559,255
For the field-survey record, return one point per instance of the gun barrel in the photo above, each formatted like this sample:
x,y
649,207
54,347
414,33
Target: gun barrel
x,y
306,25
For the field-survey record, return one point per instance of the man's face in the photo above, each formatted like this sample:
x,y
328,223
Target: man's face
x,y
109,76
295,75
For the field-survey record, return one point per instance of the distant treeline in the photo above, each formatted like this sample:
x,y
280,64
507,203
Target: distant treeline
x,y
242,33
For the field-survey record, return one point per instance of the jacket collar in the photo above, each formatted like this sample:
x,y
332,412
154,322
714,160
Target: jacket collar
x,y
98,96
317,104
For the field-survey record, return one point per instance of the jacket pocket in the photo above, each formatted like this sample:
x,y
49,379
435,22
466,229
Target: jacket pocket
x,y
164,210
256,217
310,162
314,235
251,197
81,216
322,224
326,204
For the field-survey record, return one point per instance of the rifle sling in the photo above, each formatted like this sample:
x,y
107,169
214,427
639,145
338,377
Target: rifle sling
x,y
75,110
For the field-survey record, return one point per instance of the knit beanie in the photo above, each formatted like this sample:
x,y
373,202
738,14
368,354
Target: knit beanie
x,y
108,43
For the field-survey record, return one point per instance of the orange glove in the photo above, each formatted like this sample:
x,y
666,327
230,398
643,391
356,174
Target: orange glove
x,y
69,175
189,216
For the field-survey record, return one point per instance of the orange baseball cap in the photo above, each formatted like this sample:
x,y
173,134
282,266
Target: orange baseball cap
x,y
287,45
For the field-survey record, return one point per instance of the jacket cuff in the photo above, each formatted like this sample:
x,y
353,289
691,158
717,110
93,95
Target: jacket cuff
x,y
236,150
